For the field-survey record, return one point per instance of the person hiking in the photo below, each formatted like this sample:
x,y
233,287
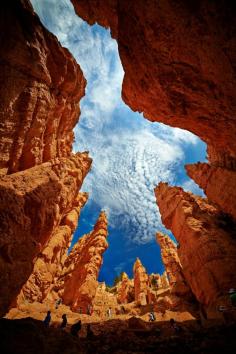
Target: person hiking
x,y
58,302
47,319
109,312
64,321
174,325
75,328
151,317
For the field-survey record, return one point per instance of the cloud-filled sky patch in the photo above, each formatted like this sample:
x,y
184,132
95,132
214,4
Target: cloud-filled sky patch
x,y
130,154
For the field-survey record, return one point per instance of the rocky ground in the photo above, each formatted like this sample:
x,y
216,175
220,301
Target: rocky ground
x,y
26,336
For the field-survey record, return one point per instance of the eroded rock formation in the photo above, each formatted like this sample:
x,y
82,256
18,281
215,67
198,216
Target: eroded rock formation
x,y
178,59
32,205
218,184
125,290
141,283
50,262
41,86
170,259
78,282
207,245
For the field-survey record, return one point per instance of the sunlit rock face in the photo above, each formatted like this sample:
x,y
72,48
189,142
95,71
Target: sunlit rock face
x,y
178,59
125,290
141,283
218,184
41,86
50,262
78,282
33,205
170,259
207,244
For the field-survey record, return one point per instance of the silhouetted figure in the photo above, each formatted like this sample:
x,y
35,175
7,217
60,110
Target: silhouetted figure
x,y
89,332
174,325
75,328
47,319
64,321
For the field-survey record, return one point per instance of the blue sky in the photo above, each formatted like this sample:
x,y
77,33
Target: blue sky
x,y
130,154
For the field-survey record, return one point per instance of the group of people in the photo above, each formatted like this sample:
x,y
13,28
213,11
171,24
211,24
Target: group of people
x,y
75,328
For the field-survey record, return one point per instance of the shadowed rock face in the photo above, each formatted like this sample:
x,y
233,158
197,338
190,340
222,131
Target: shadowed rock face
x,y
219,184
78,282
50,262
32,205
170,259
207,249
179,62
40,88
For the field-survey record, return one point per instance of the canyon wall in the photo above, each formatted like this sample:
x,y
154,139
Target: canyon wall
x,y
78,282
170,259
218,184
207,243
40,88
51,259
32,204
179,63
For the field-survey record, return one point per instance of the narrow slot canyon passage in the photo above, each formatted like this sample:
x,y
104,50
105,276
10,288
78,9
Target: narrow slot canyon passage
x,y
117,177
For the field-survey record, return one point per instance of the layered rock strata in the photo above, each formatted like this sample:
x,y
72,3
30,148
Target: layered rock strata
x,y
178,59
141,283
33,203
41,86
78,282
170,259
125,290
50,261
218,184
207,246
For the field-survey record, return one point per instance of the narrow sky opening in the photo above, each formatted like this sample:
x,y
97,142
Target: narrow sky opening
x,y
130,154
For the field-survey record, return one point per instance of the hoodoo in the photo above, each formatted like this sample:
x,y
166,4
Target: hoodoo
x,y
207,247
78,282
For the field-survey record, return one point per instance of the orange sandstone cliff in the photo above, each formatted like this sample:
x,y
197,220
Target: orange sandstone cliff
x,y
207,245
78,282
40,88
51,259
170,259
32,205
179,62
219,184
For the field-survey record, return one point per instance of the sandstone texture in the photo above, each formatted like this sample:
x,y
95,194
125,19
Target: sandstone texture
x,y
207,245
170,259
141,283
41,86
125,290
51,259
219,184
179,62
78,282
32,205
